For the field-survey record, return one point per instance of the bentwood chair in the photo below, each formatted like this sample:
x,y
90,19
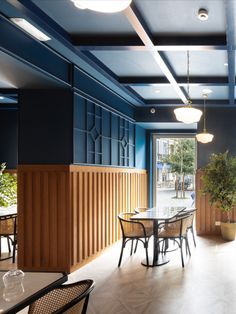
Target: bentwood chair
x,y
8,229
133,230
148,224
70,298
175,229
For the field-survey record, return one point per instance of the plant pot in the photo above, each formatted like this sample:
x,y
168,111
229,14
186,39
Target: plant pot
x,y
228,230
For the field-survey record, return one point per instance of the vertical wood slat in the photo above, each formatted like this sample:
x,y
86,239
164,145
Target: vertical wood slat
x,y
207,214
69,213
110,191
43,215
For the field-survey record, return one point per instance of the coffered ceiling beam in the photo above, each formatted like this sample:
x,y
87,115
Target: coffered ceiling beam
x,y
141,29
161,43
182,81
195,102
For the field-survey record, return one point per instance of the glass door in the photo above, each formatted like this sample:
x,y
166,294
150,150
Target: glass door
x,y
174,166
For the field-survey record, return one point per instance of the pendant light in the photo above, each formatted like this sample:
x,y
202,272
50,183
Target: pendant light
x,y
188,114
104,6
204,137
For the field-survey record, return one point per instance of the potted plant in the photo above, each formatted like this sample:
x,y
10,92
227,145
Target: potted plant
x,y
8,187
219,181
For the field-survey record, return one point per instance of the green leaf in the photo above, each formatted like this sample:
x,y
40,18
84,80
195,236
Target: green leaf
x,y
8,187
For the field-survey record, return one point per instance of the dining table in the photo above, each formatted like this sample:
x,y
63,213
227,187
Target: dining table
x,y
33,285
157,215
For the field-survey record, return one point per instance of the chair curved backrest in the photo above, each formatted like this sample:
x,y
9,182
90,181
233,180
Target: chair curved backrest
x,y
70,298
131,228
174,228
191,213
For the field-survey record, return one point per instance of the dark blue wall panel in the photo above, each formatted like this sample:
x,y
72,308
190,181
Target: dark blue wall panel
x,y
222,123
101,137
8,131
94,89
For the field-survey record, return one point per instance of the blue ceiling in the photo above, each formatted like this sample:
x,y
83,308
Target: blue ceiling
x,y
114,48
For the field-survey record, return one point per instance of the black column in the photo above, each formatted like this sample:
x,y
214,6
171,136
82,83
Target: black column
x,y
45,126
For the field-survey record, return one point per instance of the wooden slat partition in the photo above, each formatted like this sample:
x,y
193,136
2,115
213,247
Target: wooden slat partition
x,y
69,213
207,215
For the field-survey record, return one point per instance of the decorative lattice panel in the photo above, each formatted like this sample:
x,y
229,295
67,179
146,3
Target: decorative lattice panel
x,y
102,137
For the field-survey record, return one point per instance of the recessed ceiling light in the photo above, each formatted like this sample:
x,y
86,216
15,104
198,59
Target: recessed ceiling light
x,y
29,28
203,14
207,91
1,97
152,110
226,64
157,91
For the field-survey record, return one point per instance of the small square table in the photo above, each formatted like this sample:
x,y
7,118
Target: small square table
x,y
157,215
34,286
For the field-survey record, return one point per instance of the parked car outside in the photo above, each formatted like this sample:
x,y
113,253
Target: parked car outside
x,y
187,184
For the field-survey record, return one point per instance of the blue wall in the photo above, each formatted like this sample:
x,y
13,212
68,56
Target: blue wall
x,y
140,147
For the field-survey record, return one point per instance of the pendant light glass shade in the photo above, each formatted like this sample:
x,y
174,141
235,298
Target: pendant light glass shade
x,y
188,114
204,137
105,6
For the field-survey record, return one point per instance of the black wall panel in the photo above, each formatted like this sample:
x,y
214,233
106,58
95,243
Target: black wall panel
x,y
45,127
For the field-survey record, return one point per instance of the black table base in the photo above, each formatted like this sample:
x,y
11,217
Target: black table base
x,y
162,260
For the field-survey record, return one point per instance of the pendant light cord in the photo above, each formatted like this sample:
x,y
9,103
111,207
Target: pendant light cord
x,y
204,112
189,101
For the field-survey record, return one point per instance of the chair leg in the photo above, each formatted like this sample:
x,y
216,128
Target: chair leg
x,y
8,243
14,250
187,246
14,254
163,247
136,245
181,250
132,244
146,249
193,236
166,245
121,253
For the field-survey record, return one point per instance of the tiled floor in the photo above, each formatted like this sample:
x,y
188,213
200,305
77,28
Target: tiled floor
x,y
207,284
